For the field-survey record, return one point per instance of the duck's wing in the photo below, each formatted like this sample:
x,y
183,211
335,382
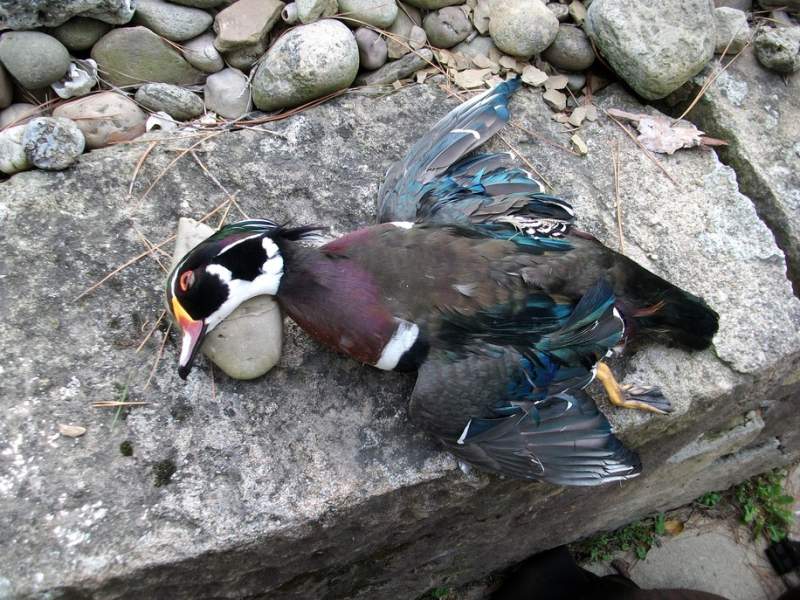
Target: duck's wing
x,y
460,131
508,398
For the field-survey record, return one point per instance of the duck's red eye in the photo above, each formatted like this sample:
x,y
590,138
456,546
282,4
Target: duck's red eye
x,y
186,281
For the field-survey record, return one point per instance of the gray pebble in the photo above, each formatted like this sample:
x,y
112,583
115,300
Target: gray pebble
x,y
33,58
380,13
18,113
372,50
733,32
12,153
104,118
575,81
176,23
228,94
306,63
561,11
52,143
135,55
6,88
407,23
80,33
778,49
522,27
309,11
571,50
201,54
200,3
177,102
479,45
447,27
433,4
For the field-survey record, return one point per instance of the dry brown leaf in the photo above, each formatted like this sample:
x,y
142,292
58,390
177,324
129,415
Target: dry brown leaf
x,y
561,118
577,116
591,112
555,99
580,145
556,82
480,16
532,76
484,62
471,78
657,133
673,526
461,60
73,431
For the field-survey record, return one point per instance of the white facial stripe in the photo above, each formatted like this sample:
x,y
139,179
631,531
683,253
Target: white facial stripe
x,y
402,224
402,339
237,242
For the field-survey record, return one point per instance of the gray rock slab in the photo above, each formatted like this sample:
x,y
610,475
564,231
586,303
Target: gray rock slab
x,y
136,55
758,113
172,21
80,33
311,482
29,14
655,47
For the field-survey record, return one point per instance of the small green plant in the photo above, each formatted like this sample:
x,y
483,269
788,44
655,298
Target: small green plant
x,y
765,506
639,537
709,499
126,448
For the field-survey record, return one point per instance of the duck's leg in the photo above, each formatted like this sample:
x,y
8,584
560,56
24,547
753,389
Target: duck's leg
x,y
632,396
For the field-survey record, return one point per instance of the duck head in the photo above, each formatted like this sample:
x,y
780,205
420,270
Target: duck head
x,y
240,261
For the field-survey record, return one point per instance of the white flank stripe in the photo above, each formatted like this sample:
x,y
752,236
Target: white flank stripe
x,y
402,224
464,433
470,131
402,339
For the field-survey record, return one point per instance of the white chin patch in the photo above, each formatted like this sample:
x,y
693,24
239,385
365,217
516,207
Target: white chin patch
x,y
402,339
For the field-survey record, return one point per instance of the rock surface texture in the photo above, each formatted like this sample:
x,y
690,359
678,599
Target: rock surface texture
x,y
29,14
756,112
286,487
655,47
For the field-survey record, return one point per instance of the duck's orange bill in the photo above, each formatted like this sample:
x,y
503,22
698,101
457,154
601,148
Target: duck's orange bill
x,y
193,334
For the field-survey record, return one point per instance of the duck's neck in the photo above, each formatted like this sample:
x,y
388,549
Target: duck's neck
x,y
335,301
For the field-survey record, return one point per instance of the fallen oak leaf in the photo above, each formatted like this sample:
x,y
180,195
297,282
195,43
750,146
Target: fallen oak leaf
x,y
658,134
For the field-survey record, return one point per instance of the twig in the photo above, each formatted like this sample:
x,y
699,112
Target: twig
x,y
645,150
115,404
174,160
707,84
526,161
158,357
152,331
617,200
543,139
153,250
139,164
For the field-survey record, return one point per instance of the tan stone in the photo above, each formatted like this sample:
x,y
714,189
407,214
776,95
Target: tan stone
x,y
104,118
246,23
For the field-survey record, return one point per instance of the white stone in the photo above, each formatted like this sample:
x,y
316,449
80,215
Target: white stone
x,y
227,93
12,153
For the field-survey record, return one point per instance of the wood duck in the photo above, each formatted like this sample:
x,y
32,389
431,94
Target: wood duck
x,y
479,281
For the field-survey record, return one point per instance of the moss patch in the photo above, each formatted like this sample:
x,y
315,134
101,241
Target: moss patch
x,y
163,472
126,448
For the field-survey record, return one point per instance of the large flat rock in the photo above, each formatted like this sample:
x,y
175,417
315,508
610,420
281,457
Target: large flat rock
x,y
310,482
758,112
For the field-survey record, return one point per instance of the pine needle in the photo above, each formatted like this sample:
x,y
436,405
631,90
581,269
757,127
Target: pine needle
x,y
139,164
158,357
153,330
617,200
525,160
